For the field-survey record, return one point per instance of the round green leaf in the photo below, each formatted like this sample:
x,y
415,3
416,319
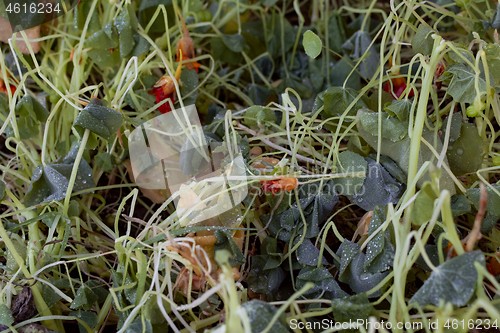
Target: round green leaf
x,y
312,44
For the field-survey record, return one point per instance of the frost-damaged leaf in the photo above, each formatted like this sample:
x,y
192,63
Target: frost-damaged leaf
x,y
312,44
462,83
31,113
225,241
258,115
6,317
453,281
350,162
392,128
23,306
352,308
352,270
399,153
379,188
359,44
424,204
400,109
2,190
325,285
260,315
422,41
235,42
84,299
308,254
50,182
335,101
493,205
88,317
379,251
99,119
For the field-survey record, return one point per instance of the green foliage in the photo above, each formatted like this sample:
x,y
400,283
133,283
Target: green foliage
x,y
312,44
423,42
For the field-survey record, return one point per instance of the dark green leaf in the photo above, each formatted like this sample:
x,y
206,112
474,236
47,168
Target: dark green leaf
x,y
50,182
235,42
225,241
81,15
336,100
258,94
2,190
348,250
379,251
147,10
260,315
265,275
492,52
489,222
303,89
137,326
455,127
352,308
223,53
350,162
359,46
493,205
88,317
308,254
50,296
422,42
153,312
312,44
99,119
31,113
453,281
465,155
125,32
84,299
336,33
325,285
392,128
188,83
274,41
258,115
459,205
341,71
103,161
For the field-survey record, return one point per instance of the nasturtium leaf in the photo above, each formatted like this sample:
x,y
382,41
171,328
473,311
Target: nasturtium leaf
x,y
137,326
399,153
188,83
141,101
265,276
302,88
274,32
422,41
225,241
153,312
353,272
98,289
379,250
350,162
432,253
223,53
493,205
489,222
50,296
31,113
88,317
147,10
459,205
360,50
465,155
379,188
335,101
104,162
342,71
11,261
400,109
424,204
99,119
357,145
258,94
453,281
235,42
392,128
50,182
2,190
260,315
258,115
455,127
336,33
325,285
308,254
392,167
81,15
312,44
462,83
352,308
125,33
6,317
84,299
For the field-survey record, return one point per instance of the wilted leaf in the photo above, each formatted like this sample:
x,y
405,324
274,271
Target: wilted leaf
x,y
23,306
453,281
379,188
99,119
359,45
312,44
50,182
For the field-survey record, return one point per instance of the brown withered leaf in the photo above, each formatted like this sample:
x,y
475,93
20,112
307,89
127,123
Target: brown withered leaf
x,y
6,33
23,306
